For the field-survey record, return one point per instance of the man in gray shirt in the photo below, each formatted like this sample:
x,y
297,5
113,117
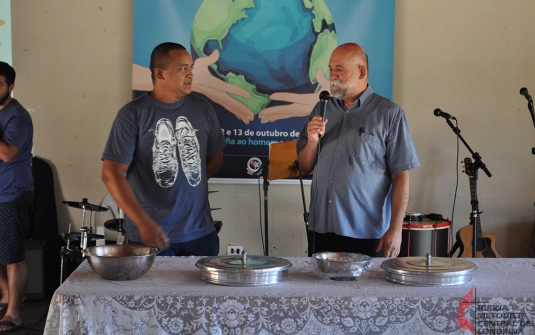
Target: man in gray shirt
x,y
162,149
360,188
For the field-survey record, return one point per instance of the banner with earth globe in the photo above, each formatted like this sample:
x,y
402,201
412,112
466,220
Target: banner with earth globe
x,y
262,63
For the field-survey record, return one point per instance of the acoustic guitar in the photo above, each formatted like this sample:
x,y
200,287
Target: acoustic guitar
x,y
485,243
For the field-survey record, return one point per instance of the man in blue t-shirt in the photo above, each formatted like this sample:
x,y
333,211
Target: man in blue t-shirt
x,y
162,149
16,198
360,187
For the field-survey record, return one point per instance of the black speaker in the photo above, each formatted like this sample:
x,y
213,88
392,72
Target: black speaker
x,y
35,288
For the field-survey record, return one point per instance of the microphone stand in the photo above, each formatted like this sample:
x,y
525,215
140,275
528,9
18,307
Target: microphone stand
x,y
264,171
305,213
532,113
530,107
283,164
478,164
316,168
266,185
477,158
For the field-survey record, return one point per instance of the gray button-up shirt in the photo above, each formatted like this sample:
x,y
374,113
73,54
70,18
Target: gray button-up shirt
x,y
360,150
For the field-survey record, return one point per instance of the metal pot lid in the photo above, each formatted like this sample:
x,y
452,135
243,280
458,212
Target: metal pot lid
x,y
243,270
254,263
428,271
414,216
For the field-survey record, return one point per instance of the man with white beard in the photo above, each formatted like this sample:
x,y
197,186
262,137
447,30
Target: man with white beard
x,y
360,188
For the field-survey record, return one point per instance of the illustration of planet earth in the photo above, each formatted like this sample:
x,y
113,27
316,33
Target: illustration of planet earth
x,y
265,46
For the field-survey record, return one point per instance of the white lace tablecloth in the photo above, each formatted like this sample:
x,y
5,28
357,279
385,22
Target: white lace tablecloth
x,y
172,299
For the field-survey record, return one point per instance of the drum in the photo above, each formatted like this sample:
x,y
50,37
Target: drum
x,y
423,236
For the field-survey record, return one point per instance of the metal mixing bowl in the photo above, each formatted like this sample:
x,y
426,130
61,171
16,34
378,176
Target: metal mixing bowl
x,y
340,265
120,261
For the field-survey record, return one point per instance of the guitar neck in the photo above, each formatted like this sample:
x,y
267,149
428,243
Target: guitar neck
x,y
475,244
473,196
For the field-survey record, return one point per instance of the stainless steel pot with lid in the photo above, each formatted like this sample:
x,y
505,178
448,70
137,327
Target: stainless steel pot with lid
x,y
428,271
243,270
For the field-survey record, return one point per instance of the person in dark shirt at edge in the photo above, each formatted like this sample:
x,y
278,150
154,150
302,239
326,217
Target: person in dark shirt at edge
x,y
16,199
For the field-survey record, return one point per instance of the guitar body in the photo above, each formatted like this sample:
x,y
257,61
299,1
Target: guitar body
x,y
485,245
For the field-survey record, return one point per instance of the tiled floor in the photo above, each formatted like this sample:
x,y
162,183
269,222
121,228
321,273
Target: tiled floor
x,y
33,315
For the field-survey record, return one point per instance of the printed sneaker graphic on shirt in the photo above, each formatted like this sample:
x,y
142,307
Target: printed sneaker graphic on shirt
x,y
164,159
188,149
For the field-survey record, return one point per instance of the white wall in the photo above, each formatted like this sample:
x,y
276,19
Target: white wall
x,y
469,58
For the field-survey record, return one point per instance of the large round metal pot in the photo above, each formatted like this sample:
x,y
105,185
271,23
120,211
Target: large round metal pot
x,y
120,261
428,271
243,270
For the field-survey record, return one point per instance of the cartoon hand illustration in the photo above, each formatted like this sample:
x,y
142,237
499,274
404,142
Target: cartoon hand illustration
x,y
217,90
141,80
301,104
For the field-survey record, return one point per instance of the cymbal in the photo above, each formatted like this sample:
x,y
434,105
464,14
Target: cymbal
x,y
77,236
85,205
215,209
113,225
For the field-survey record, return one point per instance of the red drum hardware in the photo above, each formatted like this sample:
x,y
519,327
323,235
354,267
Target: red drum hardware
x,y
422,235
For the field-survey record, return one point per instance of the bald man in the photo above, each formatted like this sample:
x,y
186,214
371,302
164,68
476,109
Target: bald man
x,y
361,155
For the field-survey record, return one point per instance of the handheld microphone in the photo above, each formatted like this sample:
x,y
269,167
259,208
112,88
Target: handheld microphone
x,y
438,112
524,92
324,100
